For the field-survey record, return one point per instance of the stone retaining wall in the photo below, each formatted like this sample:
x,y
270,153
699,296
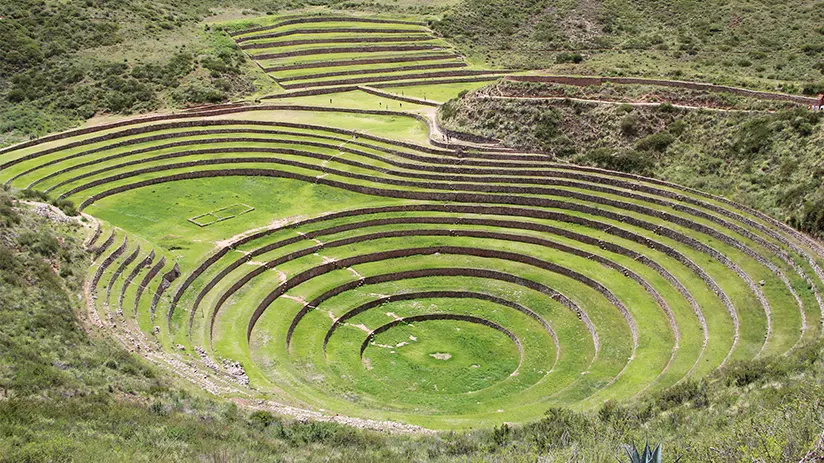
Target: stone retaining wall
x,y
582,81
98,274
361,61
165,282
289,43
471,198
424,295
331,30
377,92
388,78
119,271
418,67
466,251
147,261
98,251
324,19
146,279
330,51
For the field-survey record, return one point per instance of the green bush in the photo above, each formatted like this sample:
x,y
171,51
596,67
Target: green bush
x,y
42,242
66,206
547,127
566,57
629,125
261,419
8,216
657,142
742,373
686,391
753,137
628,161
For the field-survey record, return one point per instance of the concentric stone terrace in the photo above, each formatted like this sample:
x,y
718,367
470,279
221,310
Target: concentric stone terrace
x,y
319,52
390,278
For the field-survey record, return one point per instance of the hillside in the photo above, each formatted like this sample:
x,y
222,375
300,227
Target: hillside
x,y
770,45
764,154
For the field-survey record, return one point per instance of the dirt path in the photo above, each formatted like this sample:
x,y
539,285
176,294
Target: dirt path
x,y
618,103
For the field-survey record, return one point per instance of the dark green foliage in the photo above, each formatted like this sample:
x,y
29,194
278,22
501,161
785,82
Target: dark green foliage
x,y
559,428
48,84
566,57
64,205
8,216
42,242
626,161
261,418
744,373
753,138
547,127
689,391
447,110
720,41
501,434
629,125
657,142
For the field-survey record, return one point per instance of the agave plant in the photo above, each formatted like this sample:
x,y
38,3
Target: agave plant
x,y
647,456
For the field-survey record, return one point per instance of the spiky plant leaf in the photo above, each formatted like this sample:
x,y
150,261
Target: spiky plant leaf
x,y
656,455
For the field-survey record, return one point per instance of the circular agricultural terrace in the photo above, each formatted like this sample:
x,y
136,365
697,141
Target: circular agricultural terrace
x,y
446,286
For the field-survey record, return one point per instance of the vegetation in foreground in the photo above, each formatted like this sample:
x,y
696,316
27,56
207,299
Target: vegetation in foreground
x,y
66,395
767,160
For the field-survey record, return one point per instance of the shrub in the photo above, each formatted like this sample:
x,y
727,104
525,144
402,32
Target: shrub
x,y
501,434
681,393
559,428
753,137
547,128
677,128
66,206
630,161
813,88
8,216
34,195
742,373
261,419
657,142
448,110
629,125
566,57
667,108
42,242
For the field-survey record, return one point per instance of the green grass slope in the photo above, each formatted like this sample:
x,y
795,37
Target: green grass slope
x,y
758,44
763,154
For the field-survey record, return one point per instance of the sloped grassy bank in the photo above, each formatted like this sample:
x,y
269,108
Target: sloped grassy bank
x,y
770,159
69,396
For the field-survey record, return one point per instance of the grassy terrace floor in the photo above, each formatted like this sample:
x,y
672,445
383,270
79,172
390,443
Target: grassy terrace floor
x,y
382,276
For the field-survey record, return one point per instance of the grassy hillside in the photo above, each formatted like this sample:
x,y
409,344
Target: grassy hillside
x,y
759,44
65,62
769,159
69,396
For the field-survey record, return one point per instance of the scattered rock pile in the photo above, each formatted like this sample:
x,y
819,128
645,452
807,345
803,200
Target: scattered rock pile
x,y
236,371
